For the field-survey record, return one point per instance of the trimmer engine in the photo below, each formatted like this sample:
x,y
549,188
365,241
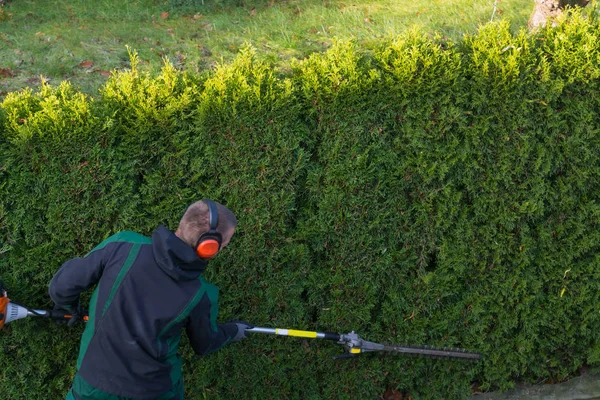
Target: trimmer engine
x,y
9,311
3,304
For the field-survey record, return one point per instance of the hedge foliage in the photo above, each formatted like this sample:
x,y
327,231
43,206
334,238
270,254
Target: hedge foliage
x,y
428,193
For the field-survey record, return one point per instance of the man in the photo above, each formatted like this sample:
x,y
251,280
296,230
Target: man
x,y
148,290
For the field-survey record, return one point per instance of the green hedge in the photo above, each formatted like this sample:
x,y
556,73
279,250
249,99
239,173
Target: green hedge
x,y
428,193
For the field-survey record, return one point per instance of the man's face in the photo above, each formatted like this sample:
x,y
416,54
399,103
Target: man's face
x,y
227,237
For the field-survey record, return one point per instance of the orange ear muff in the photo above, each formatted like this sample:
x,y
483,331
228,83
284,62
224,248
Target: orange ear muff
x,y
208,248
209,243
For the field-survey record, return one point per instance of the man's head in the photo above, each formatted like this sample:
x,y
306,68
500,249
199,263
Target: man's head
x,y
196,222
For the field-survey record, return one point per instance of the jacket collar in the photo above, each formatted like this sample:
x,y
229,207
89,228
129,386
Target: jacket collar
x,y
175,257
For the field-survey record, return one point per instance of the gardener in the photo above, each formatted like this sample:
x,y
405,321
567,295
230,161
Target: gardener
x,y
148,290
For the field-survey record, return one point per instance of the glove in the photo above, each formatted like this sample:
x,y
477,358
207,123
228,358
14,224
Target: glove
x,y
242,326
75,312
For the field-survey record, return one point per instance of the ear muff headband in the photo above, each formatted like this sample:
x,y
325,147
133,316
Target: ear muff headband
x,y
209,243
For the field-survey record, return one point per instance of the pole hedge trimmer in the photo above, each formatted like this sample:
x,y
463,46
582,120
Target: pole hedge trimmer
x,y
353,344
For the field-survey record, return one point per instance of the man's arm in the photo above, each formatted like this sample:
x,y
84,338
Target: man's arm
x,y
74,277
205,334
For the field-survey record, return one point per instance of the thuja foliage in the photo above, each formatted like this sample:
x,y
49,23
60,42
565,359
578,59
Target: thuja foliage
x,y
428,192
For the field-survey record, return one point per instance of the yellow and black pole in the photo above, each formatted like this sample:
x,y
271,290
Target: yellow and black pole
x,y
336,337
296,333
355,345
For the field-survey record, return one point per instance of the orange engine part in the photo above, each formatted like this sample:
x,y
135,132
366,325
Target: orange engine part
x,y
3,305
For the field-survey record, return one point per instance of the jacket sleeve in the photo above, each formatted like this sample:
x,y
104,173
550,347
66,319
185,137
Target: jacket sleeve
x,y
205,334
74,277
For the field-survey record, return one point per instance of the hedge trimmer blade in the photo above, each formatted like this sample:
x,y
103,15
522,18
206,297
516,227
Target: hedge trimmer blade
x,y
355,345
428,351
435,352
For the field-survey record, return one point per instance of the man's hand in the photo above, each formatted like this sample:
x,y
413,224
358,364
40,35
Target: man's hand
x,y
241,333
74,311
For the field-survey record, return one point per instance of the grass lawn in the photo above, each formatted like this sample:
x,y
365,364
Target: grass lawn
x,y
82,41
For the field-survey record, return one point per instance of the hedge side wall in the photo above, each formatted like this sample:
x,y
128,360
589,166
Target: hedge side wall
x,y
427,193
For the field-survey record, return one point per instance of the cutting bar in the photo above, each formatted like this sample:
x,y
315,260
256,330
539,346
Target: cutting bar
x,y
434,352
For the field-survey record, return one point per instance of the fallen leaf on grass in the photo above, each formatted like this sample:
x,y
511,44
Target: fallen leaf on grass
x,y
475,389
105,73
392,394
253,11
7,73
86,64
164,15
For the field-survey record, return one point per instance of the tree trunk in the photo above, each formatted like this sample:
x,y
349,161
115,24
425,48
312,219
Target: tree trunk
x,y
549,10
